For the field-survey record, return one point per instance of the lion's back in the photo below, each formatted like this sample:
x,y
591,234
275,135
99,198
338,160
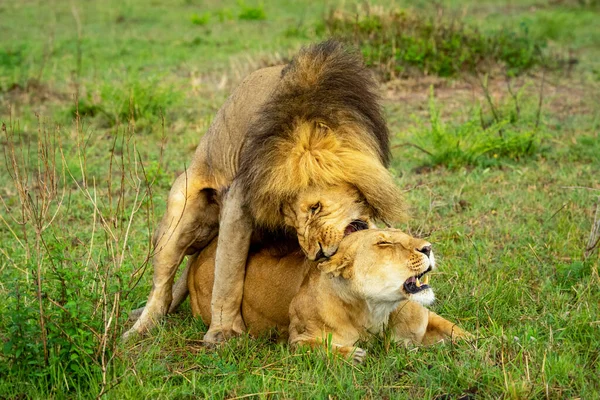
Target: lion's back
x,y
219,149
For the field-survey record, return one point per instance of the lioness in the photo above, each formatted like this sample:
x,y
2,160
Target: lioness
x,y
300,151
372,281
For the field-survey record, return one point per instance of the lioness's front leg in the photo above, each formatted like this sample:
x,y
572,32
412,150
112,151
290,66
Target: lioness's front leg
x,y
190,222
233,244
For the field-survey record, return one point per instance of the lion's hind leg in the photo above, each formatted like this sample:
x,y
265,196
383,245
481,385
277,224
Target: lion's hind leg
x,y
190,223
179,292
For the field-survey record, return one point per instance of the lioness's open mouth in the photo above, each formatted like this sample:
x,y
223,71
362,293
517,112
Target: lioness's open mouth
x,y
355,226
413,284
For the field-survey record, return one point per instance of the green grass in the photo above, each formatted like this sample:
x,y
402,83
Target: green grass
x,y
483,140
249,13
400,42
506,190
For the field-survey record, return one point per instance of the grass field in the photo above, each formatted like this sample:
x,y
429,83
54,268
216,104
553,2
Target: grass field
x,y
103,102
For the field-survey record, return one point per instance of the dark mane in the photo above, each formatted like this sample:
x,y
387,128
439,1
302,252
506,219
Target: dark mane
x,y
324,82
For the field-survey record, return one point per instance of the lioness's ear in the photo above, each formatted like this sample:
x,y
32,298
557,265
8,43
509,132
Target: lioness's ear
x,y
337,266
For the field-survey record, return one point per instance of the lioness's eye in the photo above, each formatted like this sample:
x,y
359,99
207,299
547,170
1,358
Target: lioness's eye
x,y
384,243
315,208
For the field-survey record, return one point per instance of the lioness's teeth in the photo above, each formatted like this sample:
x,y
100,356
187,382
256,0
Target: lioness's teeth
x,y
417,282
426,279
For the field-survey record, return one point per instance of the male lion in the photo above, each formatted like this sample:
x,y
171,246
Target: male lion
x,y
372,281
299,149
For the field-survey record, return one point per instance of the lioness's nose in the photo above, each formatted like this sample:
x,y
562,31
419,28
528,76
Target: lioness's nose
x,y
426,249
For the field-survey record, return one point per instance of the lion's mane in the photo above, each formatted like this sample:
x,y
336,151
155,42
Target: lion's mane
x,y
323,126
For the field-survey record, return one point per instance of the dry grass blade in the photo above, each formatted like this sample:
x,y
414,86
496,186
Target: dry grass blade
x,y
594,239
41,180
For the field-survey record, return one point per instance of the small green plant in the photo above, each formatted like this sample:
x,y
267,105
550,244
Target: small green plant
x,y
62,316
67,308
397,42
476,142
144,102
249,13
200,19
224,14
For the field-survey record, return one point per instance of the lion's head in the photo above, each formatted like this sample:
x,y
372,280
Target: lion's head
x,y
315,159
322,217
323,183
383,265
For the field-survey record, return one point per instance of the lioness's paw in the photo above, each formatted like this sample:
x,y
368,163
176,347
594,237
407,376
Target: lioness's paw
x,y
359,355
355,354
460,334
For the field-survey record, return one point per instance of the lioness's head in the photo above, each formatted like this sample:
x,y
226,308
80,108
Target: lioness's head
x,y
383,265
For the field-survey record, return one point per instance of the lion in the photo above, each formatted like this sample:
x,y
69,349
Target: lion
x,y
297,152
375,279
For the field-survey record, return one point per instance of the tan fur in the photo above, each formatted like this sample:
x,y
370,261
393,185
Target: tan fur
x,y
289,140
352,296
262,309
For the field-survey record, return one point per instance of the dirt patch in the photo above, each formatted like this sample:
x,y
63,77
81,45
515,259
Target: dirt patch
x,y
33,92
562,96
452,94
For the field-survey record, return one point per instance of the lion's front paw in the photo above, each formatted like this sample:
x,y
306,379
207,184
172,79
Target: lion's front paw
x,y
224,329
143,323
131,335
